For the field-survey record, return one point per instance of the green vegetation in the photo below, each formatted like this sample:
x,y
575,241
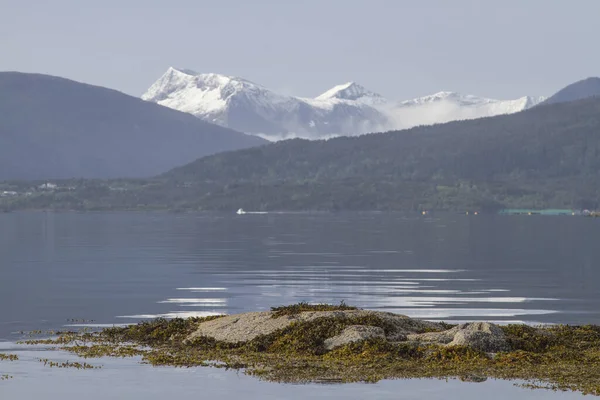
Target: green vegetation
x,y
155,332
308,337
555,357
295,309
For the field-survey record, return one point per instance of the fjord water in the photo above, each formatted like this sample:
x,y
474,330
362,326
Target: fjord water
x,y
61,269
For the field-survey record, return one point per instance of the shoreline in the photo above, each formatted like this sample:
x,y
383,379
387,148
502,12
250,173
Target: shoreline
x,y
305,343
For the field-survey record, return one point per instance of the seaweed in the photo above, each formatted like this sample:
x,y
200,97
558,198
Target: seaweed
x,y
553,357
8,357
295,309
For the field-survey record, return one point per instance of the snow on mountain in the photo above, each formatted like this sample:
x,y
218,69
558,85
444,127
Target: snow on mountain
x,y
451,106
347,109
248,107
497,106
354,92
208,96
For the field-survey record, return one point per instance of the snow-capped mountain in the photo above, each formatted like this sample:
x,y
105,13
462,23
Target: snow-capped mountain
x,y
251,108
502,106
347,109
451,106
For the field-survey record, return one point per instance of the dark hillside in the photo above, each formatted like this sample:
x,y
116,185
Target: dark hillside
x,y
52,127
580,90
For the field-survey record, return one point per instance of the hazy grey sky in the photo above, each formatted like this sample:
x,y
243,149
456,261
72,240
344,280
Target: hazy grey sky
x,y
399,48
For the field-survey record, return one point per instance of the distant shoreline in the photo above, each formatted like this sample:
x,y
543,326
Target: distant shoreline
x,y
300,212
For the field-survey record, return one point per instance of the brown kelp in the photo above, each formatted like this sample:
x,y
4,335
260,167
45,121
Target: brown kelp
x,y
8,357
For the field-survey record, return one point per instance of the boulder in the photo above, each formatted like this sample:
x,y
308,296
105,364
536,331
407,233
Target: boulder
x,y
482,336
354,333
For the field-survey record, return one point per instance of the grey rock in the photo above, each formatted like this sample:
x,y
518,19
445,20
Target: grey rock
x,y
354,333
482,336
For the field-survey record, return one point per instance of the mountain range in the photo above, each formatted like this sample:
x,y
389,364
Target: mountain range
x,y
345,110
251,108
53,128
545,156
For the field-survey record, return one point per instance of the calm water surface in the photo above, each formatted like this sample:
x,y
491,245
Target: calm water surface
x,y
121,267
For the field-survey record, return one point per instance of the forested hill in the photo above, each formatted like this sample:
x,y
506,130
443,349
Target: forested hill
x,y
546,156
561,140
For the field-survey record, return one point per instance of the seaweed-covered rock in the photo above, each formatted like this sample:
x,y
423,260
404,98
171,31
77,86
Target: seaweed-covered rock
x,y
354,333
482,336
245,327
296,349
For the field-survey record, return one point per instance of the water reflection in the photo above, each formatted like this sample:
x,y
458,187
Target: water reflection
x,y
122,267
398,290
108,267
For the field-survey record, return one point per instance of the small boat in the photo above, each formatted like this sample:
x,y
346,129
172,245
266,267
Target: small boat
x,y
241,211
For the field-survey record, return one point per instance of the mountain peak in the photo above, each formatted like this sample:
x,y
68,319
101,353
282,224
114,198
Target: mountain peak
x,y
179,75
201,94
184,71
205,88
350,91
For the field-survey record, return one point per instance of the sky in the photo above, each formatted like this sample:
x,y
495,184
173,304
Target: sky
x,y
399,48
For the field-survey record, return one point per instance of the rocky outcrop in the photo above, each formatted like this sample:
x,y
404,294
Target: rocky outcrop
x,y
482,336
247,326
354,333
